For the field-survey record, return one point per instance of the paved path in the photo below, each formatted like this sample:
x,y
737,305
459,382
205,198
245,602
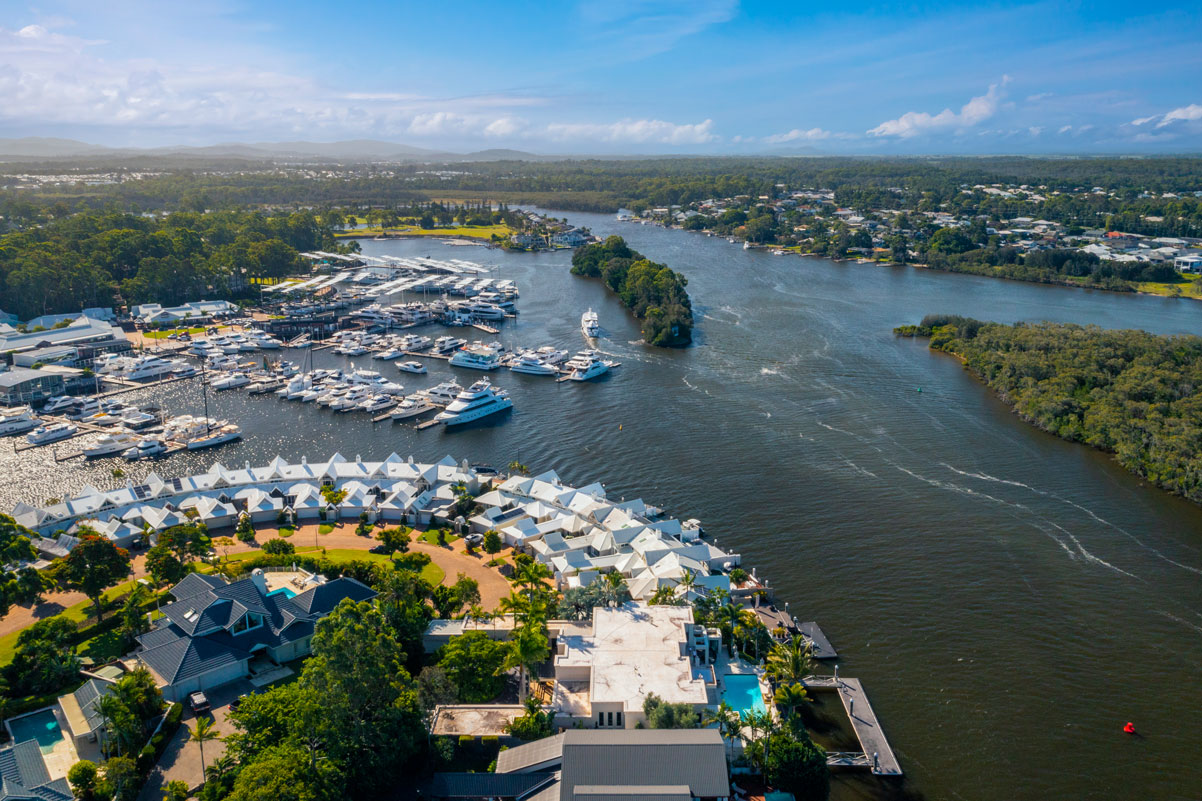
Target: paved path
x,y
20,617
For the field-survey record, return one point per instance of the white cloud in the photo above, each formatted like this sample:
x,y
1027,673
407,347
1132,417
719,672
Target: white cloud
x,y
1143,120
641,28
1035,130
1188,113
974,112
635,132
1064,129
799,135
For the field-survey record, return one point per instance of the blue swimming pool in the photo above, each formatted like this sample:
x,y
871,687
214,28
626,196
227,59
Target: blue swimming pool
x,y
742,693
41,726
287,592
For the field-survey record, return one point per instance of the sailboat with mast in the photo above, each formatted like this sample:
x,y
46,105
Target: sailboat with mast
x,y
216,432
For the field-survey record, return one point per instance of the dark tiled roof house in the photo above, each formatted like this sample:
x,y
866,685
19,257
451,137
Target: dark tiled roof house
x,y
23,775
210,633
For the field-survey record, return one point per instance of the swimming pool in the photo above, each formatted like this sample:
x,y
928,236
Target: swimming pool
x,y
287,591
742,692
41,726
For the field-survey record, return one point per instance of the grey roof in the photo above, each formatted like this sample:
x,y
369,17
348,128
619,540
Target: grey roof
x,y
695,758
633,792
87,696
19,375
23,775
209,605
486,785
531,755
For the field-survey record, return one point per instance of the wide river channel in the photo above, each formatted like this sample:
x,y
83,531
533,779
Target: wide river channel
x,y
1008,599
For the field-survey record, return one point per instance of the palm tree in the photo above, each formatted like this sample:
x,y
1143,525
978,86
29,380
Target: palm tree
x,y
527,649
728,616
203,732
614,589
729,723
221,768
688,582
791,662
789,697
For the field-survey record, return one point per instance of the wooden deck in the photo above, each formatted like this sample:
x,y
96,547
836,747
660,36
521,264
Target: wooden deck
x,y
822,646
879,757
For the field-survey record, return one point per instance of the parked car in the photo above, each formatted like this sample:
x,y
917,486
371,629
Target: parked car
x,y
237,702
379,549
199,703
474,539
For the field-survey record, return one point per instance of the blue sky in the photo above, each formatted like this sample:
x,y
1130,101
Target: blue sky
x,y
623,76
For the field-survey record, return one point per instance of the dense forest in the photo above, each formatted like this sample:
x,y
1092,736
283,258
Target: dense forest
x,y
108,258
1134,394
653,292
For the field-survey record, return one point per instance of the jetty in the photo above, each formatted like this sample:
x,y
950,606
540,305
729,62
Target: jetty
x,y
875,751
822,648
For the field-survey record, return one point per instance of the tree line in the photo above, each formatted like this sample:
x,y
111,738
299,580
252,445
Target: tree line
x,y
1131,393
653,292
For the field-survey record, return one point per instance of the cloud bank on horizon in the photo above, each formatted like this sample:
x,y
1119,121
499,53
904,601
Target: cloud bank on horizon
x,y
633,76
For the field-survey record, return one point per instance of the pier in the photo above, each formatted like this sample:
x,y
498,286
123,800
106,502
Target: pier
x,y
821,645
876,753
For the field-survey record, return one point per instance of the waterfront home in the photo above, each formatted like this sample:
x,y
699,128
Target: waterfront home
x,y
23,775
195,311
582,765
214,630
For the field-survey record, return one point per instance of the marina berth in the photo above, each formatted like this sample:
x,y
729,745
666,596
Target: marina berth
x,y
17,421
476,359
477,402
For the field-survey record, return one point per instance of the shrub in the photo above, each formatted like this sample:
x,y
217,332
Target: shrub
x,y
278,547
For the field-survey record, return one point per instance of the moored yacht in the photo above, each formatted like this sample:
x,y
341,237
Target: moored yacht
x,y
17,421
443,394
117,441
530,364
58,403
412,367
43,435
448,344
225,432
231,381
146,448
478,401
476,359
412,407
585,365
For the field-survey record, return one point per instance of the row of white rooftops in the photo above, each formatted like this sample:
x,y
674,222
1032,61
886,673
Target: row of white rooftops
x,y
418,264
580,535
578,532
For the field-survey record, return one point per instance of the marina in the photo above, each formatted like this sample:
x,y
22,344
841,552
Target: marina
x,y
793,422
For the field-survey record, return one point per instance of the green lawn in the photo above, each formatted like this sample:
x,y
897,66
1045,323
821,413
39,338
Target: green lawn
x,y
1188,287
286,531
80,612
431,572
431,537
326,528
168,332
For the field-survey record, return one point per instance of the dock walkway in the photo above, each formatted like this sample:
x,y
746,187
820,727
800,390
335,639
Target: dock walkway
x,y
822,646
879,757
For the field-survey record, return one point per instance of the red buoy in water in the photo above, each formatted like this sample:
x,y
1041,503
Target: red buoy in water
x,y
1129,728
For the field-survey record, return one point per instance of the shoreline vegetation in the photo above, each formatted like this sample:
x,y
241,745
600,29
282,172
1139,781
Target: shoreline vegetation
x,y
653,292
1135,395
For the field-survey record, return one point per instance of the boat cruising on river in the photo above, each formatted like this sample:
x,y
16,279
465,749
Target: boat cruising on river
x,y
590,324
17,421
476,359
530,364
586,365
478,401
115,442
44,435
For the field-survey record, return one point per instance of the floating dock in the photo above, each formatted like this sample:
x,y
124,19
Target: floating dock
x,y
822,646
876,753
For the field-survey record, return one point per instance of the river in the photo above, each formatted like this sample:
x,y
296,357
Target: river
x,y
1008,599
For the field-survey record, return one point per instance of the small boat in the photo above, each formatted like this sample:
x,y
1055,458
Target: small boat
x,y
411,367
43,435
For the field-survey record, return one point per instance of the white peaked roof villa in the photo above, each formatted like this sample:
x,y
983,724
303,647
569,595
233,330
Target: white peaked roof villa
x,y
578,533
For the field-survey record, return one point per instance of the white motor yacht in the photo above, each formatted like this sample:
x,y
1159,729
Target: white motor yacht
x,y
412,407
586,365
590,324
388,355
448,344
377,403
478,401
136,418
117,441
443,394
59,403
17,421
333,392
413,342
530,364
412,367
349,401
84,407
552,355
44,435
476,359
230,381
147,448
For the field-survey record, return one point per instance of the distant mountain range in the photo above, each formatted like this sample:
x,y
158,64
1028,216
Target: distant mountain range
x,y
357,150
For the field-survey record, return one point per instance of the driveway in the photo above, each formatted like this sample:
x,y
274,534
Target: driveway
x,y
181,759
